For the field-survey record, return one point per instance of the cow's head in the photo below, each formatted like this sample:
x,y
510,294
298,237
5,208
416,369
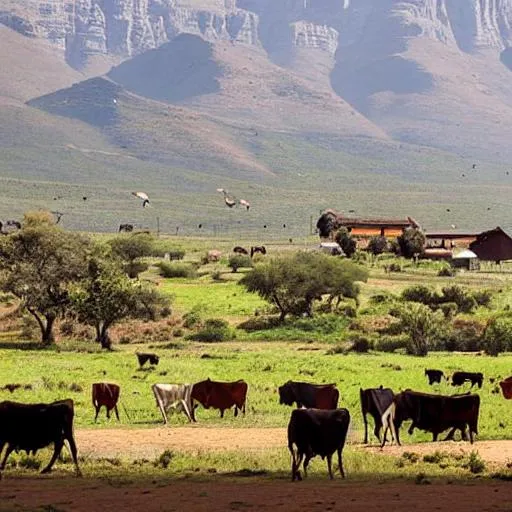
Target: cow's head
x,y
286,394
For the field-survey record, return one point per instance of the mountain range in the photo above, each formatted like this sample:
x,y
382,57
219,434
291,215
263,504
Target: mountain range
x,y
383,107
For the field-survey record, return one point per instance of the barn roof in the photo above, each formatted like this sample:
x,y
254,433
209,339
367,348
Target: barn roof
x,y
375,222
453,234
464,255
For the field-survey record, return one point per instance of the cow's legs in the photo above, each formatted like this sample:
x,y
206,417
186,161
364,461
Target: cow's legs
x,y
97,412
365,429
306,464
108,412
222,413
340,463
117,412
72,449
376,430
235,411
8,452
56,452
329,465
296,467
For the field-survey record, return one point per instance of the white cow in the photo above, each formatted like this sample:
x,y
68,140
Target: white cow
x,y
174,396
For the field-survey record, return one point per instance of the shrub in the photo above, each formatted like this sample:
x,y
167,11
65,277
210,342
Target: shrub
x,y
419,293
475,463
191,319
361,344
346,242
67,328
237,261
214,330
164,460
217,274
449,309
176,254
134,268
29,328
380,298
483,297
394,267
497,336
166,311
447,272
464,300
392,343
377,245
465,336
348,311
173,270
411,242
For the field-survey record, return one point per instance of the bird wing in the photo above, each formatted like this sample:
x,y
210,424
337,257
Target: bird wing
x,y
141,195
220,190
244,202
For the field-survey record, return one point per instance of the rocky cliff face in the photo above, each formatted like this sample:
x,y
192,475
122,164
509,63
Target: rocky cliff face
x,y
125,28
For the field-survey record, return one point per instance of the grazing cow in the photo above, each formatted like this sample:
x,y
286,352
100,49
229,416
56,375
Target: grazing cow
x,y
143,357
506,388
30,427
375,401
459,378
304,394
317,432
127,228
105,394
221,395
434,376
240,250
174,396
258,248
433,413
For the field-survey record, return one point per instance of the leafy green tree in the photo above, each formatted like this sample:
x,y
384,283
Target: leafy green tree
x,y
346,242
131,249
377,245
237,261
37,264
411,242
107,295
498,335
422,326
293,283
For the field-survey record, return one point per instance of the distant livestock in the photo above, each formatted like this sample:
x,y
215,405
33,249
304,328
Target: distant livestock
x,y
213,255
434,376
143,357
304,394
506,388
459,378
127,228
221,395
375,401
317,432
105,394
174,396
258,248
240,250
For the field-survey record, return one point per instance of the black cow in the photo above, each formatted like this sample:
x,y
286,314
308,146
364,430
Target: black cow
x,y
258,248
317,432
240,250
433,413
30,427
459,378
304,394
127,228
434,376
144,357
375,401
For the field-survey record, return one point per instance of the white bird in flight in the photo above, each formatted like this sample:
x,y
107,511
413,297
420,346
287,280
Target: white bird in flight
x,y
143,196
245,203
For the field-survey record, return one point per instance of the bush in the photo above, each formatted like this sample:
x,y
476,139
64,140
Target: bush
x,y
464,300
361,344
483,297
419,293
191,319
237,261
411,242
176,254
173,270
497,336
214,330
475,463
449,309
67,328
377,245
134,268
29,328
392,343
381,298
346,242
394,267
447,272
164,460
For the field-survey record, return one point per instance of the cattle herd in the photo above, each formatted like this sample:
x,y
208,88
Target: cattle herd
x,y
316,427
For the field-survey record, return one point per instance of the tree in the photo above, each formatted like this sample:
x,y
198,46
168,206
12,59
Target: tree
x,y
293,283
131,248
37,264
347,243
237,261
107,295
422,325
497,336
411,242
377,245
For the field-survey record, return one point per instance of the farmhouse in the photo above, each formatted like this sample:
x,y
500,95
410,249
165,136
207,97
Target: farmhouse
x,y
367,227
493,245
449,239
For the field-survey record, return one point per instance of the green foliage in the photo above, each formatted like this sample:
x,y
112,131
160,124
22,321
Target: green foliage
x,y
130,249
37,265
497,336
191,318
464,300
449,309
347,243
213,330
464,336
391,343
237,261
447,272
420,293
293,283
422,325
361,344
164,459
176,270
377,245
483,297
411,242
475,463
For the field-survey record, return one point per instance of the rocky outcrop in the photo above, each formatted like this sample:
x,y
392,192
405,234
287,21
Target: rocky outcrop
x,y
310,35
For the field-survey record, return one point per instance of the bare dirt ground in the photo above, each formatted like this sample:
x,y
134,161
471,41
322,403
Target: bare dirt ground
x,y
40,493
77,495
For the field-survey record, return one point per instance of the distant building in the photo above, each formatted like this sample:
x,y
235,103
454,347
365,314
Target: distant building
x,y
332,248
493,245
449,239
466,259
368,227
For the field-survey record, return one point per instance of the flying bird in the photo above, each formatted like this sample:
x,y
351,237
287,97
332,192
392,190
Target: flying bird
x,y
448,210
453,226
200,226
351,211
84,198
229,202
143,196
474,166
463,175
245,203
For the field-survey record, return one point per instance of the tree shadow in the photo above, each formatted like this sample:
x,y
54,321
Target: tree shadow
x,y
24,345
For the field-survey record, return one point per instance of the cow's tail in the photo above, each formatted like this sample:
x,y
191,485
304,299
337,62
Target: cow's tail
x,y
94,397
388,422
